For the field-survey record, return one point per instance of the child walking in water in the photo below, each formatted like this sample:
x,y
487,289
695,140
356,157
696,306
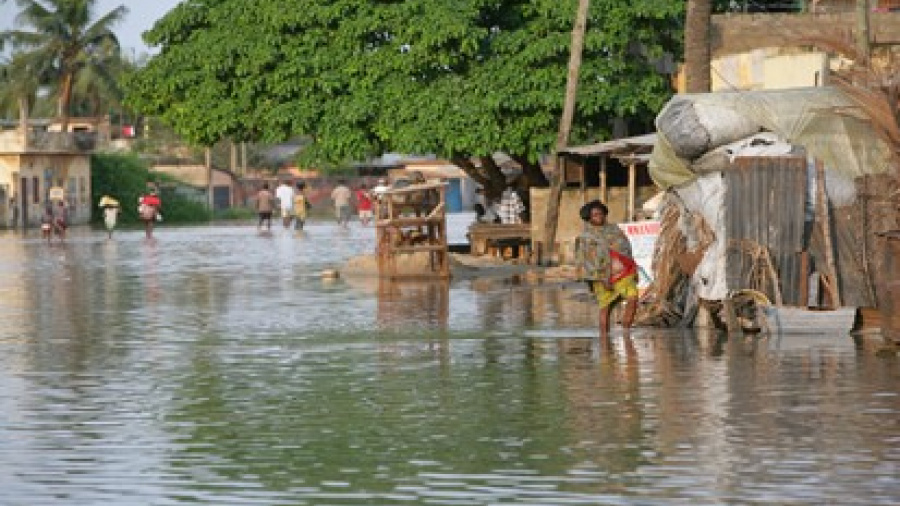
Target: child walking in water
x,y
47,224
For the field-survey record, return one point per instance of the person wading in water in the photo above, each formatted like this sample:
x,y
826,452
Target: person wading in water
x,y
606,262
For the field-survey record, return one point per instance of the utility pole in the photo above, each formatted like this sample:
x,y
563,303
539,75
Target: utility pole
x,y
565,127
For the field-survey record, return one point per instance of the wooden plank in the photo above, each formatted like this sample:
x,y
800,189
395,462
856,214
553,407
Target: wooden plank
x,y
823,216
419,248
603,184
632,190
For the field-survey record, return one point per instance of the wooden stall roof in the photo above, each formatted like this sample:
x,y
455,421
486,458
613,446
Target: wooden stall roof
x,y
418,187
637,144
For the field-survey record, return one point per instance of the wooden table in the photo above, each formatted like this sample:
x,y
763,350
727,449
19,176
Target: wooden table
x,y
485,237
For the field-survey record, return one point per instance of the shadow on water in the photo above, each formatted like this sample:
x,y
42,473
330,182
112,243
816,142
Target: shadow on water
x,y
215,365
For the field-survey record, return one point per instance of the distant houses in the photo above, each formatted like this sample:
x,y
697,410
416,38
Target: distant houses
x,y
37,164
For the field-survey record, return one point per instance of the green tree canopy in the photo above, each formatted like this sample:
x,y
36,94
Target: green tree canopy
x,y
458,78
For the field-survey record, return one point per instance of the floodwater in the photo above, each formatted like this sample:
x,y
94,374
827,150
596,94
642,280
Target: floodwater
x,y
214,365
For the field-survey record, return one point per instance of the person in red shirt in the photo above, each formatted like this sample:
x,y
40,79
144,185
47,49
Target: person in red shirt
x,y
364,204
148,211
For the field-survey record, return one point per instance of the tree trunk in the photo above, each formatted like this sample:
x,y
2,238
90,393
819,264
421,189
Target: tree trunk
x,y
697,55
23,120
210,200
534,174
65,100
863,46
489,175
565,126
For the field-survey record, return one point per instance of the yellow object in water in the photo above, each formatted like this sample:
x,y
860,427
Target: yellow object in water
x,y
107,201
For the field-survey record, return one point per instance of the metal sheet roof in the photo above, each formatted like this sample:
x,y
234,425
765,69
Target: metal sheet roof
x,y
627,144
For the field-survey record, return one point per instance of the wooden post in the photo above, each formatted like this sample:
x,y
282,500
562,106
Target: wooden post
x,y
823,216
632,189
565,126
209,180
603,185
243,158
804,279
233,156
862,32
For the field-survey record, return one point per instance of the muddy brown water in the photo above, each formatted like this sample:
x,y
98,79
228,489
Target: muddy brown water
x,y
214,365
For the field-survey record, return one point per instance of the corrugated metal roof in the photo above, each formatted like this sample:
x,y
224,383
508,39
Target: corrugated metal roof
x,y
633,144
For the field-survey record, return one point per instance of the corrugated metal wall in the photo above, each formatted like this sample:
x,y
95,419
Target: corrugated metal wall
x,y
764,203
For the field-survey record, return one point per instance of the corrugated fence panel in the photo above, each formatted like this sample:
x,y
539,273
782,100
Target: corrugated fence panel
x,y
765,199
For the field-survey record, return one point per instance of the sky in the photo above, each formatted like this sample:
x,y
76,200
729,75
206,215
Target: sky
x,y
141,16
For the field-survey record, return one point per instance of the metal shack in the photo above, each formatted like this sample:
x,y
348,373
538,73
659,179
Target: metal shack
x,y
777,192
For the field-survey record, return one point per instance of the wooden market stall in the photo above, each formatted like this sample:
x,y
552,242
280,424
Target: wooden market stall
x,y
411,229
613,171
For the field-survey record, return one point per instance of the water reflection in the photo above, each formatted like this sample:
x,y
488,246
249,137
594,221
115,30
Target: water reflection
x,y
425,302
218,366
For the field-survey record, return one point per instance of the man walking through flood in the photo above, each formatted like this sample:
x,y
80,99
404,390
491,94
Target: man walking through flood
x,y
605,259
265,204
285,195
341,196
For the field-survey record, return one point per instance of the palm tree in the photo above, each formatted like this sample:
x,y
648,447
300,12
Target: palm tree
x,y
61,34
20,81
696,46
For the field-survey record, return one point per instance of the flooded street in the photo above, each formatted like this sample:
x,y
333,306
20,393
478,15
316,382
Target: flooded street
x,y
215,365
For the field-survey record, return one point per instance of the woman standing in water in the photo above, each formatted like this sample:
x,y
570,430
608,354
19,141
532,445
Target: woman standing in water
x,y
606,262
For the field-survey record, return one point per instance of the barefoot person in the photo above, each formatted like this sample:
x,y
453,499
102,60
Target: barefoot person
x,y
604,256
265,204
47,223
284,193
60,219
364,205
301,206
341,197
148,211
111,211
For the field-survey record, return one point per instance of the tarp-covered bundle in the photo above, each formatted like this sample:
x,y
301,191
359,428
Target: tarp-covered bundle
x,y
740,170
822,120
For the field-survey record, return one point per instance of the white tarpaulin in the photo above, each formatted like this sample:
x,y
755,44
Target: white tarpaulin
x,y
705,196
823,120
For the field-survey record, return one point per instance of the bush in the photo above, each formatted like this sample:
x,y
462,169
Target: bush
x,y
236,213
124,177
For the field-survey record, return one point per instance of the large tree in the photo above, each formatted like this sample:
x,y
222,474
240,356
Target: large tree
x,y
65,37
458,78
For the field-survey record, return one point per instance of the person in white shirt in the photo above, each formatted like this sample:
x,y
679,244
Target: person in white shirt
x,y
511,207
285,195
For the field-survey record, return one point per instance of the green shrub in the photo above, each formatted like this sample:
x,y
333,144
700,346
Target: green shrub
x,y
236,213
124,177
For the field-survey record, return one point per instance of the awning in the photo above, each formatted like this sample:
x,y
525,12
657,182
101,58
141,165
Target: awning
x,y
639,143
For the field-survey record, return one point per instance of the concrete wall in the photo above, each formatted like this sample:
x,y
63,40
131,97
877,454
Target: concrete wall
x,y
768,69
739,33
72,172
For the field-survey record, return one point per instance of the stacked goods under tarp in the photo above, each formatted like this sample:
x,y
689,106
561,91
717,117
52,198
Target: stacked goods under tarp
x,y
742,182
